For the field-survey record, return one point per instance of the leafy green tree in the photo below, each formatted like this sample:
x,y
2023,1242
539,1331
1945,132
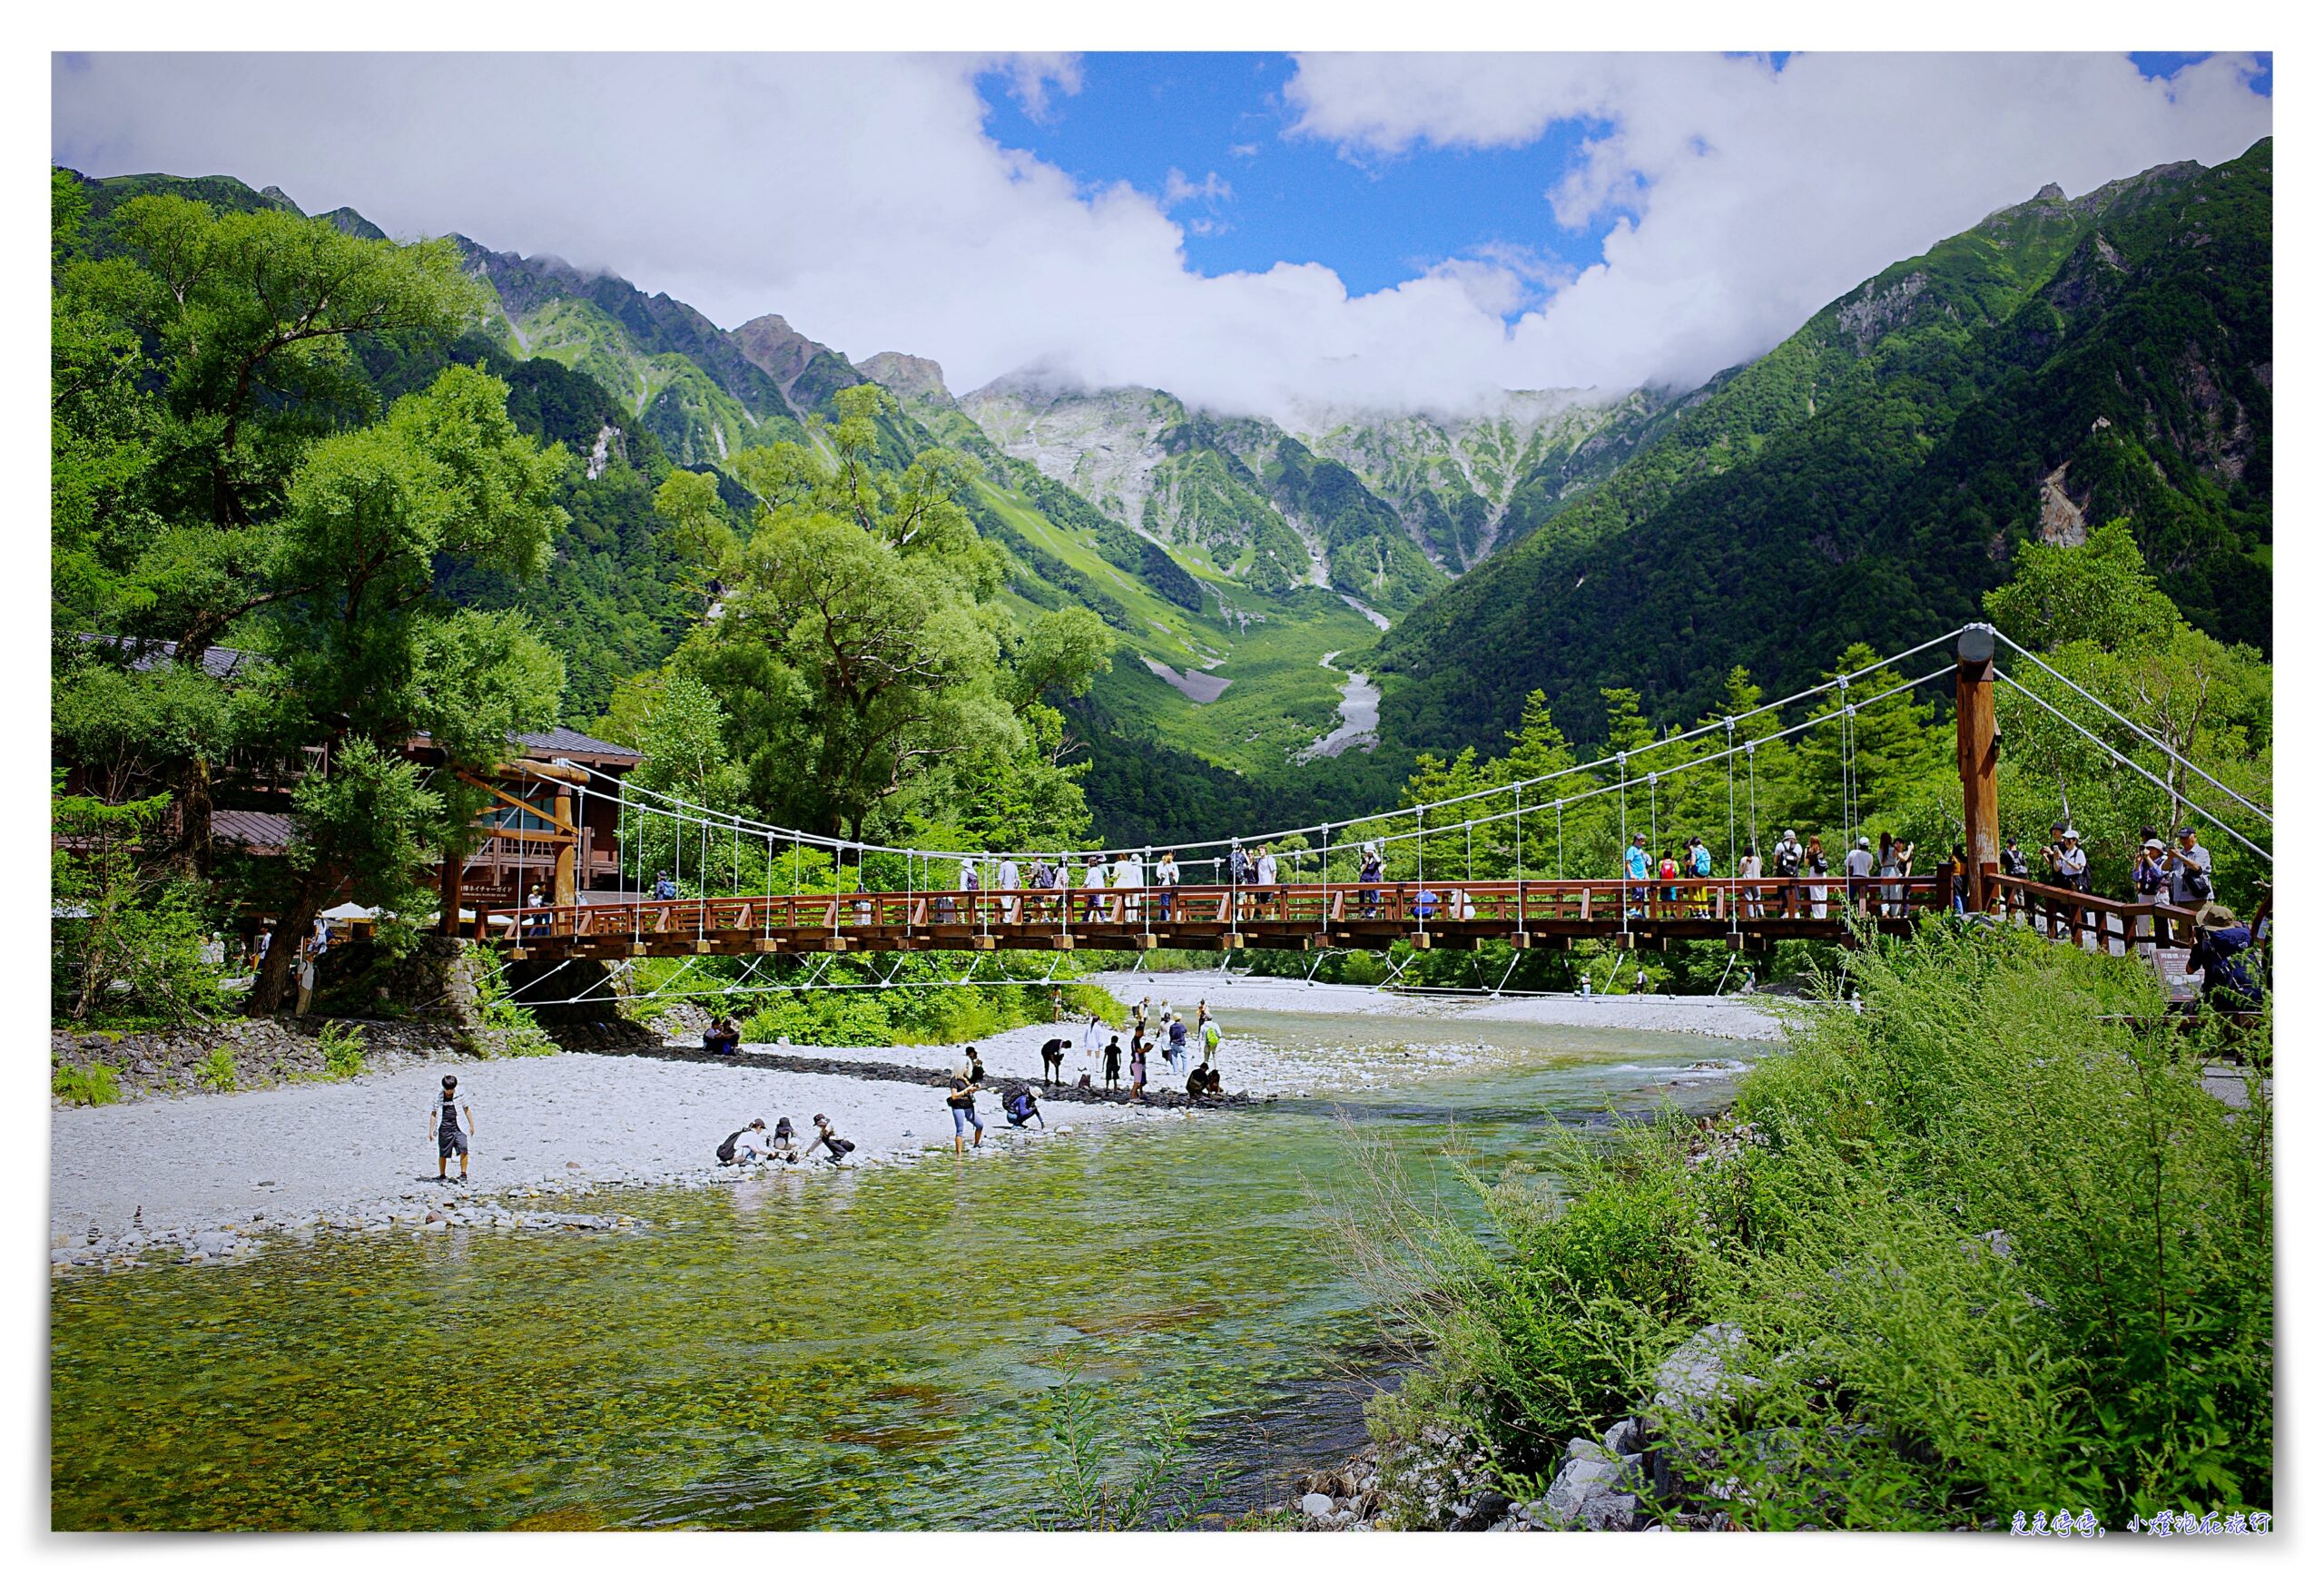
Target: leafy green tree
x,y
365,656
127,937
2099,592
860,649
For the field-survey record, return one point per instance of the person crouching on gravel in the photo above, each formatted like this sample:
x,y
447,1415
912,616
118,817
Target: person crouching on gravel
x,y
444,1123
963,1101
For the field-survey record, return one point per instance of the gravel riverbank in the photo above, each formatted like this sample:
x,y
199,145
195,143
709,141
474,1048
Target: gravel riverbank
x,y
215,1175
212,1173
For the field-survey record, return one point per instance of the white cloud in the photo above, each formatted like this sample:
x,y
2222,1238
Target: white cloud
x,y
861,197
1177,190
1744,199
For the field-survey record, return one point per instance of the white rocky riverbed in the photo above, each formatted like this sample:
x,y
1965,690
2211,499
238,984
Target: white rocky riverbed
x,y
216,1176
213,1174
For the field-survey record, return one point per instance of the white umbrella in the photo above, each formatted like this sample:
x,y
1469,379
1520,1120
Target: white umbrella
x,y
347,912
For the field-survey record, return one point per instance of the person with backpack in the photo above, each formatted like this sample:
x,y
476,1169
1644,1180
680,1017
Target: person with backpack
x,y
2188,871
2222,954
839,1147
1370,872
1668,870
1018,1106
1699,866
962,1100
745,1145
1211,1034
444,1126
665,887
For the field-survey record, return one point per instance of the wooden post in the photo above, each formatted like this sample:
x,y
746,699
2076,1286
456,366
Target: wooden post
x,y
1978,746
563,896
448,892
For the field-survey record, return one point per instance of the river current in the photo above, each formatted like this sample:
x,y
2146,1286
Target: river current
x,y
846,1350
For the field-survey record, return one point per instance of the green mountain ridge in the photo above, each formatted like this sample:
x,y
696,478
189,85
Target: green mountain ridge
x,y
2064,362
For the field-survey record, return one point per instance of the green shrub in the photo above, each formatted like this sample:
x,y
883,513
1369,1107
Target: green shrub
x,y
1987,1246
216,1072
343,1049
94,1084
498,1009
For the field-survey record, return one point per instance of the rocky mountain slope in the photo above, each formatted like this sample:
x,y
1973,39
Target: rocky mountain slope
x,y
2065,361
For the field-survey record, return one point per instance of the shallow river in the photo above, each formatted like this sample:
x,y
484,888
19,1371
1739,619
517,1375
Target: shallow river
x,y
836,1351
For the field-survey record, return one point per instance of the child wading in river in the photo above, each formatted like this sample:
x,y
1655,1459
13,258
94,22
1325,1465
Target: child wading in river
x,y
444,1125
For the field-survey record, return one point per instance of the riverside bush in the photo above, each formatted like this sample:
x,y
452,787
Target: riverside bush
x,y
94,1084
1986,1251
216,1072
342,1049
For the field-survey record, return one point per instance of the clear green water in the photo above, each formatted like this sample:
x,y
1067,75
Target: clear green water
x,y
835,1352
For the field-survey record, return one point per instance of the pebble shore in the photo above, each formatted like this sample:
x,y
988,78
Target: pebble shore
x,y
210,1178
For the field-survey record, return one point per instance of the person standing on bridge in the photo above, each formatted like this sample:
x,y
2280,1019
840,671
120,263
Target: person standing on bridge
x,y
1130,879
1817,865
1369,873
1262,875
1635,862
1166,880
665,887
1750,870
1788,860
2190,869
1859,866
1005,881
1700,868
1093,882
2147,877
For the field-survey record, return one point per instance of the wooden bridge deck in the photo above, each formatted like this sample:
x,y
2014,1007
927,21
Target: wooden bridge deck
x,y
1744,914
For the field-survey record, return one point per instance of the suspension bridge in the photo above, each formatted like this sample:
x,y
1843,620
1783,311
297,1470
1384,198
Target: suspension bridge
x,y
1318,899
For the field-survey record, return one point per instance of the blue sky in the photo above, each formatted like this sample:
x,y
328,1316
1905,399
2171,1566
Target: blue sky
x,y
1377,220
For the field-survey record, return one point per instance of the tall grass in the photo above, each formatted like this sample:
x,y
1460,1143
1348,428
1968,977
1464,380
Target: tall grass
x,y
1987,1249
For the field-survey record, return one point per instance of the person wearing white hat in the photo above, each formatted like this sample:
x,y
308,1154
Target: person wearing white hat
x,y
1369,873
2073,863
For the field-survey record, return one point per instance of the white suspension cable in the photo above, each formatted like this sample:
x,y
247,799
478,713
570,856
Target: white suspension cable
x,y
2138,769
2182,763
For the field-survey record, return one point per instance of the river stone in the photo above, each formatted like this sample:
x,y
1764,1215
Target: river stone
x,y
1315,1505
1622,1439
1697,1374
